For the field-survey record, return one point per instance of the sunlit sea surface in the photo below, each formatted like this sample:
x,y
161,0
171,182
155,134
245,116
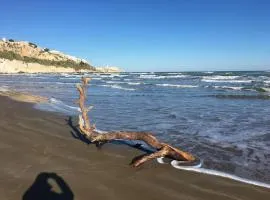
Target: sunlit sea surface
x,y
222,117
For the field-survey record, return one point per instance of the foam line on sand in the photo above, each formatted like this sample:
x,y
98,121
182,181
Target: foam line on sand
x,y
175,163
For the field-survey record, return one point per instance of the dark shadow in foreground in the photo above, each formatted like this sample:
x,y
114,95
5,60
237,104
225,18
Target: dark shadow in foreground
x,y
45,188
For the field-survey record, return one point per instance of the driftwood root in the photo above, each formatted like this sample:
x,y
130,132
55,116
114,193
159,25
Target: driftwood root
x,y
162,149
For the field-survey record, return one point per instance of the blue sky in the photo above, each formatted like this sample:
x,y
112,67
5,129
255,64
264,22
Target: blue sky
x,y
147,35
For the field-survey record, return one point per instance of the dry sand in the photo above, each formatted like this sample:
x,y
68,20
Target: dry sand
x,y
40,157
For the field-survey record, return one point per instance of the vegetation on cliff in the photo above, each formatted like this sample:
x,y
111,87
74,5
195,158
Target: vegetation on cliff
x,y
10,55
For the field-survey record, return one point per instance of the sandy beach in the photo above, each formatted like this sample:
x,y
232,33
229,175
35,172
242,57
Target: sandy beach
x,y
40,158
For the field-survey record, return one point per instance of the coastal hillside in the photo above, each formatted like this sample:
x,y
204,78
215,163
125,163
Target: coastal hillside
x,y
28,57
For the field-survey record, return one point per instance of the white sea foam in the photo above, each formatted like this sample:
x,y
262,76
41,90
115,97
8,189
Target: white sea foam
x,y
174,73
59,83
56,105
161,160
63,105
225,79
113,75
70,78
138,73
96,78
68,75
4,88
133,83
115,82
174,163
118,87
153,76
221,77
177,86
228,87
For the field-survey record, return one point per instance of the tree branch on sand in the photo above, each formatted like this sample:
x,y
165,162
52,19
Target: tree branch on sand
x,y
162,149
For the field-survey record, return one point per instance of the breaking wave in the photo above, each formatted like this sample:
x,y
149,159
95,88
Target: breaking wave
x,y
4,88
134,83
228,87
236,96
154,76
56,105
177,86
115,82
118,87
222,77
225,79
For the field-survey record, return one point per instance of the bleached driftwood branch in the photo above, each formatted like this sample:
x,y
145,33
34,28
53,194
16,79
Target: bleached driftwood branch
x,y
162,149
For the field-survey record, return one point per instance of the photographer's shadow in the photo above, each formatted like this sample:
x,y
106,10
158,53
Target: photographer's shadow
x,y
45,188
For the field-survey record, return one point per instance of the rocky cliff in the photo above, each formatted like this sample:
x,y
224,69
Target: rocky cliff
x,y
22,56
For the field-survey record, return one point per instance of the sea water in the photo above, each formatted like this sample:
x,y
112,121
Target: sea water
x,y
221,117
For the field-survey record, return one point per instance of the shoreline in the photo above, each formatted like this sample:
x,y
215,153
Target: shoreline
x,y
43,143
43,103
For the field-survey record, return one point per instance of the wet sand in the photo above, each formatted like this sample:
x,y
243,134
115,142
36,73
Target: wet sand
x,y
37,150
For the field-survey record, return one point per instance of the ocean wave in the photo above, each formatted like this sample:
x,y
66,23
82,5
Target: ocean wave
x,y
225,79
4,88
113,75
218,77
154,76
55,105
177,86
174,73
96,78
126,81
59,83
65,74
70,78
197,167
59,102
134,83
118,87
115,82
174,163
228,87
257,89
235,96
138,73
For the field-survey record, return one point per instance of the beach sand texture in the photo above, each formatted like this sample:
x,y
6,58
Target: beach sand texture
x,y
35,143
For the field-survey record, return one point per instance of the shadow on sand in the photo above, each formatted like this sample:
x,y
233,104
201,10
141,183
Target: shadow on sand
x,y
48,186
73,123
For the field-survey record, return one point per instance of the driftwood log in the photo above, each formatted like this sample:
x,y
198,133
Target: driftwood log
x,y
89,131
